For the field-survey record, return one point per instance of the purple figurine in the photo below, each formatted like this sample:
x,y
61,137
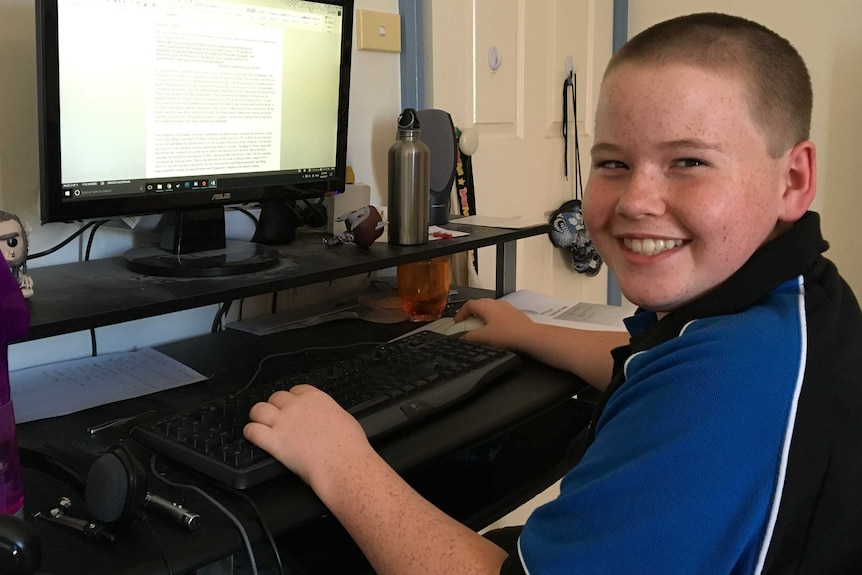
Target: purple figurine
x,y
14,321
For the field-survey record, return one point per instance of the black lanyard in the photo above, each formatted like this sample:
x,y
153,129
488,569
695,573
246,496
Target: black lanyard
x,y
571,84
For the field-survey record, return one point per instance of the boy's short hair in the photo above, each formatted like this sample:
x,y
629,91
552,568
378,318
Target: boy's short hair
x,y
778,80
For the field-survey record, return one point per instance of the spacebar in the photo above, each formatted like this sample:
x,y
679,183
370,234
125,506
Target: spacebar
x,y
369,404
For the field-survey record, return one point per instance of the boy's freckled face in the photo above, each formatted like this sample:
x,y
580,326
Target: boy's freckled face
x,y
682,189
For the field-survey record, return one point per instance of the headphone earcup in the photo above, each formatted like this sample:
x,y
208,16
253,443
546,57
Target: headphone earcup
x,y
116,486
20,547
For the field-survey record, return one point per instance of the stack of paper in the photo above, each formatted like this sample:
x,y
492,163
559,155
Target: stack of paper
x,y
555,311
82,383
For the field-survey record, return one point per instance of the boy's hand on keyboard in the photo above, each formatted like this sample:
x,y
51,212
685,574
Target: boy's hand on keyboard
x,y
505,326
306,430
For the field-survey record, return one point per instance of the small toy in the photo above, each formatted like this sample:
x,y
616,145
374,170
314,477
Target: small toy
x,y
14,243
363,227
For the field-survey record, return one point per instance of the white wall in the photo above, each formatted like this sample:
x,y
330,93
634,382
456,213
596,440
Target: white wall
x,y
375,101
827,35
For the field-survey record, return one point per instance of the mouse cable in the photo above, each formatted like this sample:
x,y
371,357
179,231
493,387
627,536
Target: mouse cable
x,y
296,351
215,502
263,526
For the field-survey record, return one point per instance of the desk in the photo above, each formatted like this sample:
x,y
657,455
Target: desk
x,y
430,456
92,294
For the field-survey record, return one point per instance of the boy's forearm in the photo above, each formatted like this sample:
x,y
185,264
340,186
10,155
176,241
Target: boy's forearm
x,y
585,353
398,530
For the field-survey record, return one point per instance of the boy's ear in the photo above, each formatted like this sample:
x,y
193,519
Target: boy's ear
x,y
800,184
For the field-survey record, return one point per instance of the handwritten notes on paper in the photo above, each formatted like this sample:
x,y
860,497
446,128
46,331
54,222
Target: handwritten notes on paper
x,y
69,386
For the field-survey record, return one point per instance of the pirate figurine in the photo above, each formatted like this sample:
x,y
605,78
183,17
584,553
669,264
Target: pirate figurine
x,y
14,245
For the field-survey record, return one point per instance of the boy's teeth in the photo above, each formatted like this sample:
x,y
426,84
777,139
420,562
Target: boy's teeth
x,y
649,246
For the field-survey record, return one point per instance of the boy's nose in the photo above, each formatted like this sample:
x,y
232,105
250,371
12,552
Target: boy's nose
x,y
641,195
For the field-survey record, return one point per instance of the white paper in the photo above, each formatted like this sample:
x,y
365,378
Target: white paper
x,y
515,223
438,233
69,386
567,313
434,233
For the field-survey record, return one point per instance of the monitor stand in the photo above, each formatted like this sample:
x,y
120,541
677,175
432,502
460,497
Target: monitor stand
x,y
193,245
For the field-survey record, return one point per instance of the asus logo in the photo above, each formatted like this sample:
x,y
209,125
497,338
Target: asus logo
x,y
222,196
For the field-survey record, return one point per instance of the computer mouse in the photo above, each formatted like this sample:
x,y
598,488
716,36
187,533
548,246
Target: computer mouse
x,y
468,324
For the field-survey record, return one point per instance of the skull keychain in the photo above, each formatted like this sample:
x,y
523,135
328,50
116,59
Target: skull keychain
x,y
569,232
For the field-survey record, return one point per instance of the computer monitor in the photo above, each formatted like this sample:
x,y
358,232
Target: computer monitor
x,y
181,107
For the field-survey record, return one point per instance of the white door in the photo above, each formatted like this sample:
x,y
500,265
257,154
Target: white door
x,y
499,66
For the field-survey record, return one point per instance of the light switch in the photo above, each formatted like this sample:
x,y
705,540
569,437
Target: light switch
x,y
378,31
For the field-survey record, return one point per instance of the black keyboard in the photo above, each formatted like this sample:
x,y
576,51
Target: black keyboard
x,y
393,386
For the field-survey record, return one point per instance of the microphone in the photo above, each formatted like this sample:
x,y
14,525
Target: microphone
x,y
173,511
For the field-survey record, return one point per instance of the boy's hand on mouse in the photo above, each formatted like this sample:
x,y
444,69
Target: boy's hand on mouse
x,y
306,430
505,326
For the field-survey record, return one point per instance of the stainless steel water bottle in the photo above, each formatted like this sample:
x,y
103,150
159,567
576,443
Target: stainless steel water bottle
x,y
409,183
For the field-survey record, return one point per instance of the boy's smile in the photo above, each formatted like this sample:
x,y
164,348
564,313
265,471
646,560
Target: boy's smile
x,y
682,188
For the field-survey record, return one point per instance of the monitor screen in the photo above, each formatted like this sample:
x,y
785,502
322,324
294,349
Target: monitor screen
x,y
184,106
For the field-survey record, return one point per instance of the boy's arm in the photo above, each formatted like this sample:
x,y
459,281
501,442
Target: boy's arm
x,y
397,530
585,353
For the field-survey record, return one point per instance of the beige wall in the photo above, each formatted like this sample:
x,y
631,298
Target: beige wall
x,y
828,34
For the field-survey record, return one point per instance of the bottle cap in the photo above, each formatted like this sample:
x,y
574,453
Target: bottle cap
x,y
408,120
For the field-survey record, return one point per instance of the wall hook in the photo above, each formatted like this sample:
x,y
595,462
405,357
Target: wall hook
x,y
494,59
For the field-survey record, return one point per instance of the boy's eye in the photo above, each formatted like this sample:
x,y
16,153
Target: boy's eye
x,y
12,242
610,164
689,162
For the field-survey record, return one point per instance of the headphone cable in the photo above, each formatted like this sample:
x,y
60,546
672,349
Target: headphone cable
x,y
145,520
263,525
215,502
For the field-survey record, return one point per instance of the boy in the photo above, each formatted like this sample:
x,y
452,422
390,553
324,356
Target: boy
x,y
726,439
